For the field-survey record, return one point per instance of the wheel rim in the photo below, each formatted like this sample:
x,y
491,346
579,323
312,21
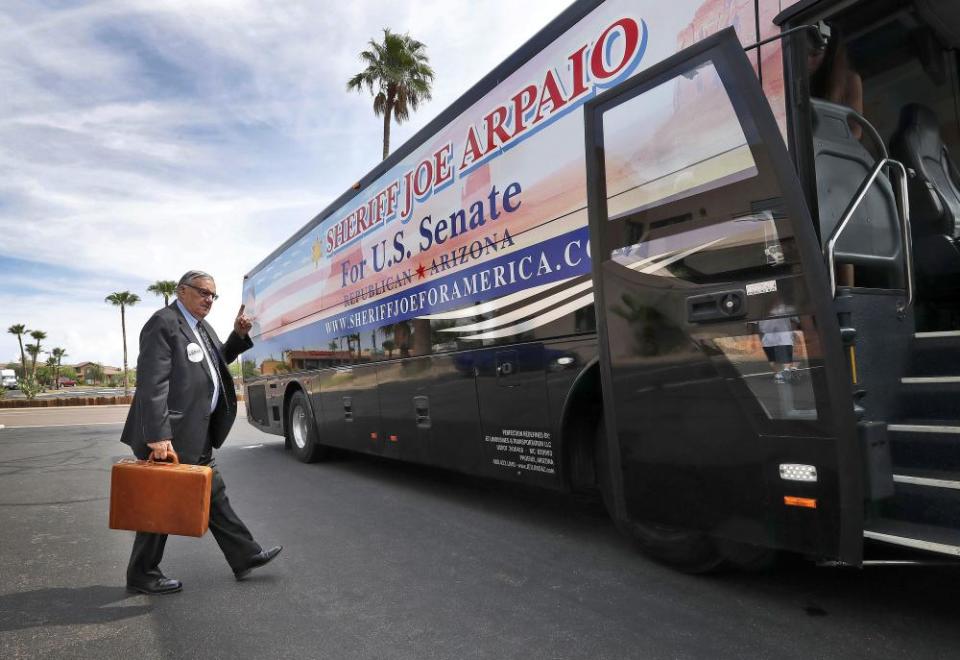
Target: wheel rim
x,y
299,426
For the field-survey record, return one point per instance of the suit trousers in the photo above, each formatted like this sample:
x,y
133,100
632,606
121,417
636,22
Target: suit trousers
x,y
235,540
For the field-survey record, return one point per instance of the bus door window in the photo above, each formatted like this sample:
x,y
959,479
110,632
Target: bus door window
x,y
649,170
769,354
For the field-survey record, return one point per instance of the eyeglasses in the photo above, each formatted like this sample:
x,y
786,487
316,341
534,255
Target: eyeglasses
x,y
204,293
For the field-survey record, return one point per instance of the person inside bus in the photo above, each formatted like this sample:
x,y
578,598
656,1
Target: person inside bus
x,y
831,77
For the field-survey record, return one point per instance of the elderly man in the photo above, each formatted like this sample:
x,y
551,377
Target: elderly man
x,y
185,402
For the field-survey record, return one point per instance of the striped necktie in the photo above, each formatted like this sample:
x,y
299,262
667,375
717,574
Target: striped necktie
x,y
211,353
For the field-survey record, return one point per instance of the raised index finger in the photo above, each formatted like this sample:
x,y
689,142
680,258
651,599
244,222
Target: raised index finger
x,y
242,307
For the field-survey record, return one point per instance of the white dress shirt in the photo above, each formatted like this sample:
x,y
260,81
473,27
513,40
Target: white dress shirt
x,y
215,375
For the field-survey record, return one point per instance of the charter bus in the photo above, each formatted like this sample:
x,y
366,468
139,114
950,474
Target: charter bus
x,y
654,256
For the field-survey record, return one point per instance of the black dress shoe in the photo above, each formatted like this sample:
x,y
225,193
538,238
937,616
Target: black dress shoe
x,y
153,586
258,560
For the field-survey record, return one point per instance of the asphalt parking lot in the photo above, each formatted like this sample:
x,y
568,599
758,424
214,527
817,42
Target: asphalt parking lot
x,y
386,560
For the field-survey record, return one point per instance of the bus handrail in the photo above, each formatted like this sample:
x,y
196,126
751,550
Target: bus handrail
x,y
903,216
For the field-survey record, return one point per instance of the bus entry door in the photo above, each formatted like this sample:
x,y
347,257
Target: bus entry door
x,y
726,401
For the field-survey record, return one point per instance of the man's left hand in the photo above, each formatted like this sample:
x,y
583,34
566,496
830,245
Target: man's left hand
x,y
243,323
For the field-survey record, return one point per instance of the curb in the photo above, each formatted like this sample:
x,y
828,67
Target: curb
x,y
72,401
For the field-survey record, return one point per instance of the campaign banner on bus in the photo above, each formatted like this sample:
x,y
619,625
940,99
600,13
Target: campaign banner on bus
x,y
490,206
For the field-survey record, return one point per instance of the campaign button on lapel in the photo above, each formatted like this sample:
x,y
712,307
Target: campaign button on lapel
x,y
194,352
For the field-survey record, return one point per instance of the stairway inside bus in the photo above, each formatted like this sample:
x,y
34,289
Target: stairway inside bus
x,y
925,449
904,353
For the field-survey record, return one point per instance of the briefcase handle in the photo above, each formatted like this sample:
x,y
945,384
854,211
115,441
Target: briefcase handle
x,y
172,455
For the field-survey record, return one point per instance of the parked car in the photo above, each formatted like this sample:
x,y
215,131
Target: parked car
x,y
8,379
67,382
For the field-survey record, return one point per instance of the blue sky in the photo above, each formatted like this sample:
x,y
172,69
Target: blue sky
x,y
140,139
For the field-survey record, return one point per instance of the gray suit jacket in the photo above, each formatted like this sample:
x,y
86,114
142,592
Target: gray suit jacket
x,y
173,394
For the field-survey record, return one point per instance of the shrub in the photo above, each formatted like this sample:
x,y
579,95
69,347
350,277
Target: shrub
x,y
30,388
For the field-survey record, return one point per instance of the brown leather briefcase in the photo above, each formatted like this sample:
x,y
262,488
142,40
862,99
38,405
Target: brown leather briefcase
x,y
164,498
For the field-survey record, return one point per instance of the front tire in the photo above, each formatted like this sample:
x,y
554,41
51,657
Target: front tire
x,y
684,550
302,436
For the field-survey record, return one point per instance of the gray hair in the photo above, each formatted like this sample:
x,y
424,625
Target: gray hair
x,y
192,275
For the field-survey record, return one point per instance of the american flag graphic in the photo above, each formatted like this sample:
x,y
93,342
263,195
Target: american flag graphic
x,y
303,284
291,286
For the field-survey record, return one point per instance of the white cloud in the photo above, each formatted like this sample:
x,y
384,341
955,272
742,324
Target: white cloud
x,y
139,139
86,330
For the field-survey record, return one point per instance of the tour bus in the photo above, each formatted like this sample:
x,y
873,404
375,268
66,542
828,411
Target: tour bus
x,y
698,257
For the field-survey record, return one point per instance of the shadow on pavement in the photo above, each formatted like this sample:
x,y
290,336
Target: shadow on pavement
x,y
64,606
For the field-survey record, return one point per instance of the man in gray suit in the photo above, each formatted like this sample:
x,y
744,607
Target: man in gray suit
x,y
185,402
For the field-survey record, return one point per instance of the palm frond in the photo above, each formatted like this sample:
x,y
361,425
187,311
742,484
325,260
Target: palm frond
x,y
380,104
397,75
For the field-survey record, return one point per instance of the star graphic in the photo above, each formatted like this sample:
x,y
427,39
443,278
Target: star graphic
x,y
421,272
316,252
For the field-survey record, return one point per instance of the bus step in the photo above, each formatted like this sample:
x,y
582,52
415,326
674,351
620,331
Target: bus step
x,y
937,334
930,497
936,353
915,535
925,444
929,479
929,397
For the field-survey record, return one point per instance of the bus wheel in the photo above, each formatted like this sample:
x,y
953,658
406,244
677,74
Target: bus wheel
x,y
694,552
687,551
302,436
684,550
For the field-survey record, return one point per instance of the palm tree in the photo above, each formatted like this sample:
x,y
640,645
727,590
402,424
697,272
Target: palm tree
x,y
165,288
400,70
33,352
20,330
58,354
39,335
51,368
123,299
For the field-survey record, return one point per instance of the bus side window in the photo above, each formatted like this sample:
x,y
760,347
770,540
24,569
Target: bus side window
x,y
419,337
403,339
440,340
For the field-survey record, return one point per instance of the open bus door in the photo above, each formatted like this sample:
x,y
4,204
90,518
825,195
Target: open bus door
x,y
728,413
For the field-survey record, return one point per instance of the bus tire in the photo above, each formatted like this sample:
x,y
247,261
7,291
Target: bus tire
x,y
302,436
684,550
